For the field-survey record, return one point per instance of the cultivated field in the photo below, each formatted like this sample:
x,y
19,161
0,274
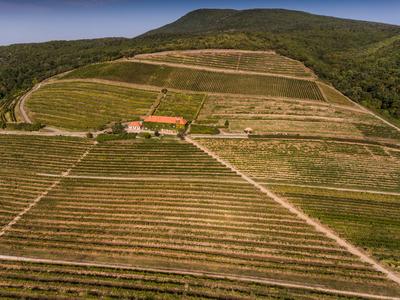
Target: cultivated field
x,y
86,105
371,221
201,80
179,104
262,62
161,219
166,204
272,116
313,174
39,280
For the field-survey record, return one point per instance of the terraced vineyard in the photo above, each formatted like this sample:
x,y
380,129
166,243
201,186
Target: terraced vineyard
x,y
87,105
263,62
200,80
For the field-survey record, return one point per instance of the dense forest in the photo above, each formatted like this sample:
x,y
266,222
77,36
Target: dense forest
x,y
362,59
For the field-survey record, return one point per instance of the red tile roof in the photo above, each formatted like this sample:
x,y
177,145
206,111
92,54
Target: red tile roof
x,y
135,124
163,119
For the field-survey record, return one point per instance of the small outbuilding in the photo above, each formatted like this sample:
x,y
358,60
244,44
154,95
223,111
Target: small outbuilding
x,y
248,130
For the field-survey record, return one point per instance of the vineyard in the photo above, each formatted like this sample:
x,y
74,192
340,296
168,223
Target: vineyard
x,y
371,221
149,203
262,62
201,80
178,104
266,116
319,163
38,280
86,105
158,217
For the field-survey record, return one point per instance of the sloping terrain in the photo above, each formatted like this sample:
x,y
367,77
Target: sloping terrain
x,y
227,223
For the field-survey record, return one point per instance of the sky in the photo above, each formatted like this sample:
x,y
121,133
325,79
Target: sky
x,y
23,21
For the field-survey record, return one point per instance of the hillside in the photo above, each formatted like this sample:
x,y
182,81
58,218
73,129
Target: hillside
x,y
330,46
305,207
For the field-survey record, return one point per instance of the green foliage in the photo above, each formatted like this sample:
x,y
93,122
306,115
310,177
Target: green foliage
x,y
145,135
118,128
3,124
203,129
360,58
25,126
115,137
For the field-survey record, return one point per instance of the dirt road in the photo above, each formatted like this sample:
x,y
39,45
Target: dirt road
x,y
247,279
318,226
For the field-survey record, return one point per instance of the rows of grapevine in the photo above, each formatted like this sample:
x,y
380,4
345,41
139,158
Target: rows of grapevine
x,y
371,221
167,204
85,105
201,81
44,280
266,62
314,163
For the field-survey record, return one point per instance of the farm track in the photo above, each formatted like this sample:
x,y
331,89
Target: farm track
x,y
334,188
211,275
34,203
212,69
318,226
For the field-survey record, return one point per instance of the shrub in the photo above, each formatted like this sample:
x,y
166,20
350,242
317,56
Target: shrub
x,y
118,128
3,125
203,129
145,135
226,124
114,137
89,135
25,126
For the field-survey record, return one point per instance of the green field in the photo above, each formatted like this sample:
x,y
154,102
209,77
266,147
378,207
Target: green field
x,y
86,105
263,62
371,221
181,105
202,81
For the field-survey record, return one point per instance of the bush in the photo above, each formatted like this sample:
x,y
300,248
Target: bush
x,y
114,137
3,125
145,135
226,124
89,135
25,126
118,128
203,129
157,133
164,91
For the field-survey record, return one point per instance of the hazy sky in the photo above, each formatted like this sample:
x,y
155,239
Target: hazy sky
x,y
43,20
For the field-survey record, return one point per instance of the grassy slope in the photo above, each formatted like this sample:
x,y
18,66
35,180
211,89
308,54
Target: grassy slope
x,y
199,80
85,106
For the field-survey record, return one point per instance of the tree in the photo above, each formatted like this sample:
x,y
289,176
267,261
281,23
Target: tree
x,y
118,128
226,124
164,91
89,135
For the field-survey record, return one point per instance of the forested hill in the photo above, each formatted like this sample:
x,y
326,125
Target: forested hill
x,y
362,59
